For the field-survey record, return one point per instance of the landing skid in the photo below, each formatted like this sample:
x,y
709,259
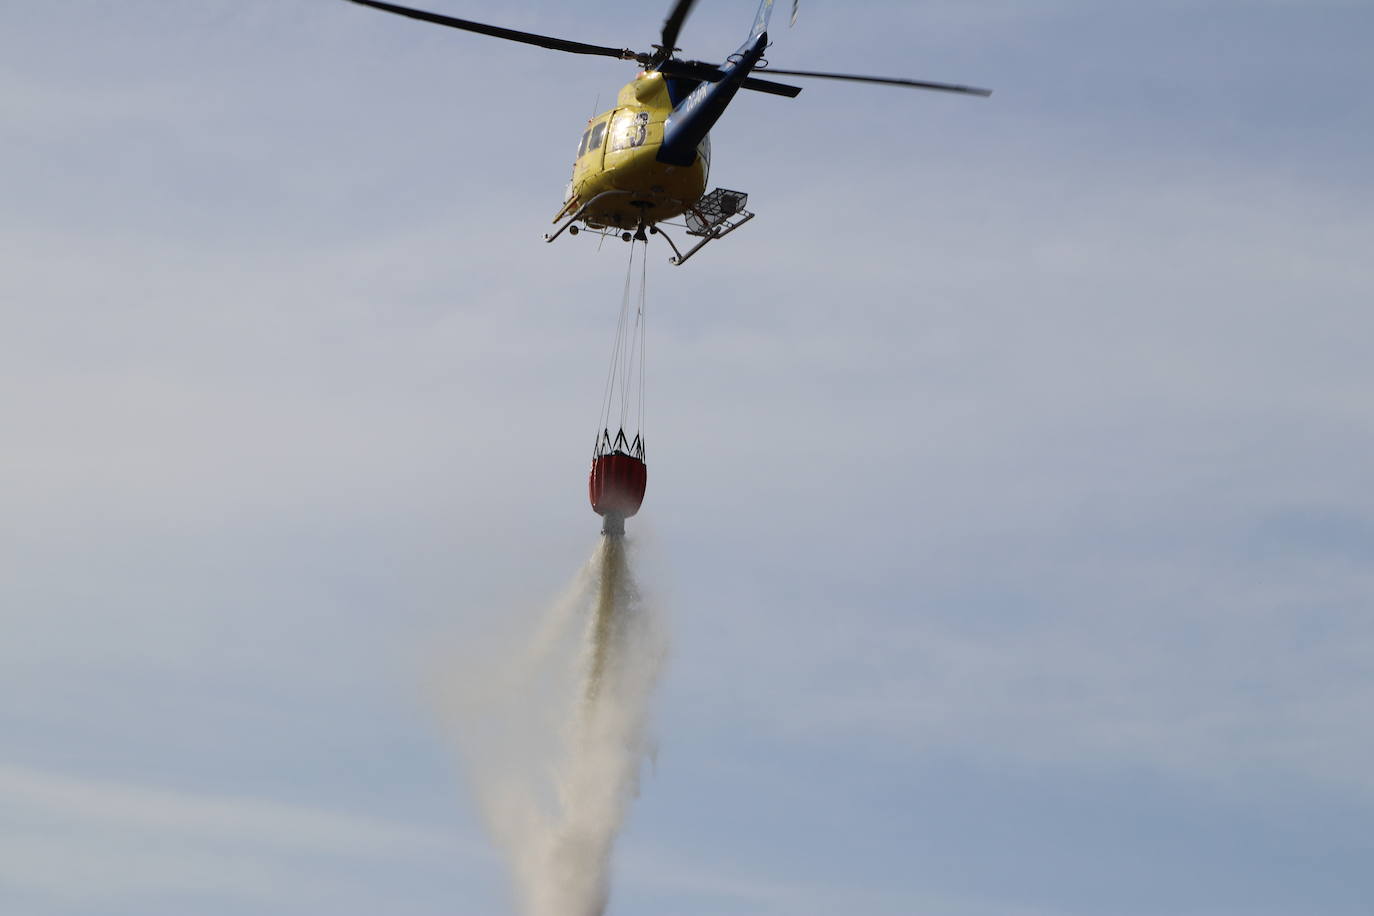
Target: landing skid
x,y
581,211
719,233
713,217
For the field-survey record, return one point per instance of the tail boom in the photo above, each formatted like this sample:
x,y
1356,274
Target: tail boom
x,y
694,117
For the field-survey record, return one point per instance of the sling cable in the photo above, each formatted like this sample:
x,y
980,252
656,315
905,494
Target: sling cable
x,y
619,475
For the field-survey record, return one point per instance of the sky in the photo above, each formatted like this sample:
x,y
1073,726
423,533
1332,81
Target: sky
x,y
1010,493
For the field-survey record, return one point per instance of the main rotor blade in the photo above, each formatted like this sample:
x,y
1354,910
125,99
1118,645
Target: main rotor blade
x,y
692,70
673,24
885,80
770,87
529,38
710,73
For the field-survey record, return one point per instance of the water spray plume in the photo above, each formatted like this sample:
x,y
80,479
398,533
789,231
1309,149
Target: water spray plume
x,y
553,733
611,594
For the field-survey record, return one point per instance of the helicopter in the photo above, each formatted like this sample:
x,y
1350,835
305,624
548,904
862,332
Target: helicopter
x,y
647,160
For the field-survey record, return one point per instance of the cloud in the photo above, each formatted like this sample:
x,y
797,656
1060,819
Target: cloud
x,y
79,838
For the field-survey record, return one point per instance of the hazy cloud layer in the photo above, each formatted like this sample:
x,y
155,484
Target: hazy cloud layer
x,y
1010,474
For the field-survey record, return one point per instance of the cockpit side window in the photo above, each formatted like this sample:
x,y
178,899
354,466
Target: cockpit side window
x,y
582,147
598,131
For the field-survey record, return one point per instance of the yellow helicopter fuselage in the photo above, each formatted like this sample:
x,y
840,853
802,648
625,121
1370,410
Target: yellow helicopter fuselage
x,y
617,180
